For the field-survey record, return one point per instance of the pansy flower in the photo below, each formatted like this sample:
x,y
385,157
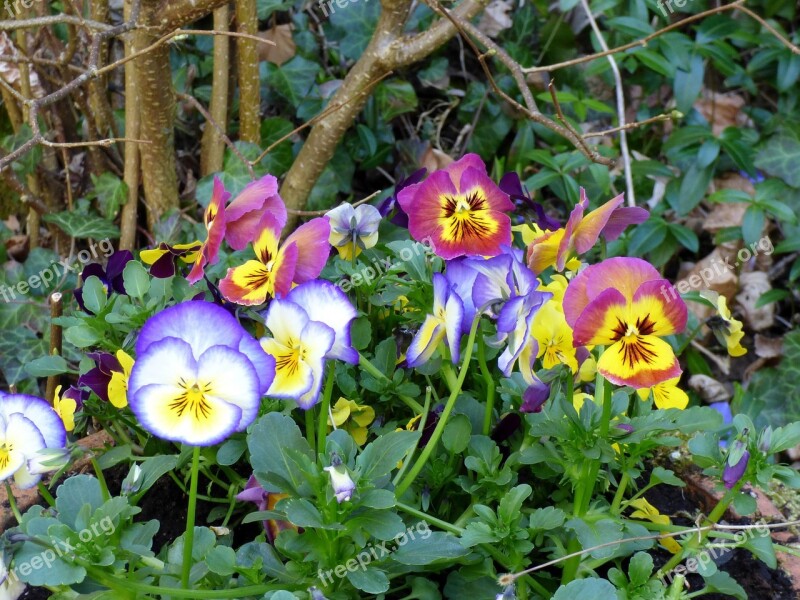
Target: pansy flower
x,y
342,483
400,218
726,329
276,267
118,385
99,377
666,394
555,248
554,337
534,397
264,500
67,404
244,214
617,304
29,426
353,418
162,258
353,229
199,376
460,209
510,183
214,219
444,323
110,276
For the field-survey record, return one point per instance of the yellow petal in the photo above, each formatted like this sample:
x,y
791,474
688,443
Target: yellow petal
x,y
125,361
118,390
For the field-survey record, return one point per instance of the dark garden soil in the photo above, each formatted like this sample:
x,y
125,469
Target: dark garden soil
x,y
759,581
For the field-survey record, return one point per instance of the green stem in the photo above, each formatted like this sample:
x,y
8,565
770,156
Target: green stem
x,y
451,401
689,338
188,539
422,422
443,525
697,541
312,441
45,493
324,409
623,483
101,478
490,391
375,372
449,376
13,502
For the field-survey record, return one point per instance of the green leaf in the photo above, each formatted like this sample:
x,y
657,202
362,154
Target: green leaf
x,y
395,97
80,226
381,456
779,157
456,434
688,83
136,279
594,533
303,514
361,333
640,568
75,493
647,237
744,504
271,441
511,503
753,224
353,28
772,296
293,79
596,589
111,193
722,582
94,295
379,499
369,580
221,560
231,451
280,158
47,366
693,187
684,235
547,518
662,475
381,524
784,438
424,550
81,336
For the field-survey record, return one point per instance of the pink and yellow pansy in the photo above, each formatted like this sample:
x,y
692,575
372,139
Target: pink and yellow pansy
x,y
244,214
460,209
277,266
618,304
214,219
666,394
556,248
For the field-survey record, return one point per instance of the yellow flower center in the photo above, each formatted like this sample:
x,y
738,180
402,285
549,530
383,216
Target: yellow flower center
x,y
192,399
5,455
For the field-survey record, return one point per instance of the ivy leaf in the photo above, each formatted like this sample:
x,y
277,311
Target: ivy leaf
x,y
292,80
353,28
111,193
81,226
779,157
47,366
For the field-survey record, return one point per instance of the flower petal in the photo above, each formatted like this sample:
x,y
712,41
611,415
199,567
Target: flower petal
x,y
643,361
425,341
40,413
313,248
234,381
246,211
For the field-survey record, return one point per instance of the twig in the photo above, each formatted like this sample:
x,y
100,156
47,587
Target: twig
x,y
634,125
620,93
509,578
56,309
464,27
319,213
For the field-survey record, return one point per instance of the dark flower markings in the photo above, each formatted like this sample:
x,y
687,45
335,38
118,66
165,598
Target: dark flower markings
x,y
192,398
466,216
636,349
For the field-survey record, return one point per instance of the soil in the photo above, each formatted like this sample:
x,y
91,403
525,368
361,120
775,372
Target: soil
x,y
759,581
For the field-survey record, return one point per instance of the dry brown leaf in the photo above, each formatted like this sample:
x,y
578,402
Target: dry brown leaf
x,y
710,273
434,160
767,347
284,48
496,17
709,389
722,110
753,286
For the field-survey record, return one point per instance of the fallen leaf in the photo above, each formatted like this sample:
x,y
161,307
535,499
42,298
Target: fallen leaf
x,y
768,347
709,389
496,18
722,110
284,48
434,160
754,285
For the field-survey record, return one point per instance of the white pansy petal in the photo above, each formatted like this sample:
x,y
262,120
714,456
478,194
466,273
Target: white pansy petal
x,y
286,321
165,363
454,314
425,342
232,379
40,412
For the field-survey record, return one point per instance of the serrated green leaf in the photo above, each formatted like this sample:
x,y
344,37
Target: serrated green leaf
x,y
81,226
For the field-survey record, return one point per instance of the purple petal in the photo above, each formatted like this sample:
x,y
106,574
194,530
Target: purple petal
x,y
534,397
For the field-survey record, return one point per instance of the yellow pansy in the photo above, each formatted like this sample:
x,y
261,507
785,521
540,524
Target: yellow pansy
x,y
352,417
554,337
118,386
588,369
65,407
648,512
727,329
666,394
579,398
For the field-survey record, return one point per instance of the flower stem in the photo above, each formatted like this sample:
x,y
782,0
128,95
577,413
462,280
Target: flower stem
x,y
697,541
324,409
312,441
375,372
45,493
451,401
188,539
101,478
490,391
13,502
